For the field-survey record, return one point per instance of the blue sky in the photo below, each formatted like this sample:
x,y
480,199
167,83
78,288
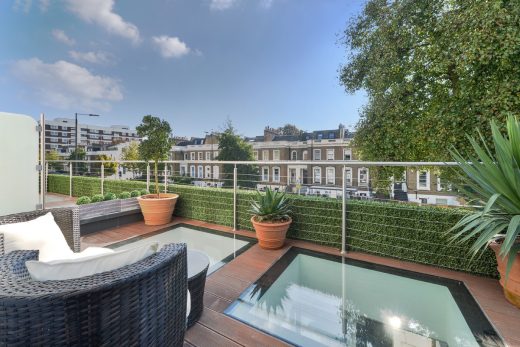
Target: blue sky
x,y
192,62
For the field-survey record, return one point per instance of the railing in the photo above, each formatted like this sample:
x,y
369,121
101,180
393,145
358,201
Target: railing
x,y
362,210
341,181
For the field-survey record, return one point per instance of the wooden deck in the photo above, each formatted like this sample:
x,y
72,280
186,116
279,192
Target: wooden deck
x,y
225,285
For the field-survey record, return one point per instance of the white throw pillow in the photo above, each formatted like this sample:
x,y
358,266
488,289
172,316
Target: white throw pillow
x,y
42,234
86,266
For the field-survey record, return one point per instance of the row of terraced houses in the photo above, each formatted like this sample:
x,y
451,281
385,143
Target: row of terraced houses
x,y
311,173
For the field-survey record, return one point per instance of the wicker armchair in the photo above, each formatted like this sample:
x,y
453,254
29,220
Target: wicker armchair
x,y
66,218
142,304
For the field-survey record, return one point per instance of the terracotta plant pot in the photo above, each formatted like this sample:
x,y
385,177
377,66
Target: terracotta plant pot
x,y
271,235
157,211
512,287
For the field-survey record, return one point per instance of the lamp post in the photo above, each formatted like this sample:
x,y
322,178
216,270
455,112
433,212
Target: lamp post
x,y
78,133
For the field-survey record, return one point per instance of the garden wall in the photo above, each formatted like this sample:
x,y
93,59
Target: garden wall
x,y
402,231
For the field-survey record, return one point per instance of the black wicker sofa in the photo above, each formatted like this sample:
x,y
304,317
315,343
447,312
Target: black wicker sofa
x,y
142,304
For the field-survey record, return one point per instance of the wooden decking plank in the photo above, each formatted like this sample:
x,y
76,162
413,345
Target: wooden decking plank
x,y
201,336
215,302
237,331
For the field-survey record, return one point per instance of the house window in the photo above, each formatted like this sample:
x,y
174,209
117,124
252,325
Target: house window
x,y
199,156
320,136
265,155
276,154
294,155
348,176
186,156
331,135
316,175
215,155
192,171
200,170
255,155
363,176
423,180
441,201
347,154
317,154
331,175
265,174
215,172
208,155
305,154
54,127
208,171
54,133
54,140
292,175
330,154
192,155
276,174
182,171
423,201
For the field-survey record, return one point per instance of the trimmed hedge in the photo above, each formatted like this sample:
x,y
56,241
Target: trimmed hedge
x,y
402,231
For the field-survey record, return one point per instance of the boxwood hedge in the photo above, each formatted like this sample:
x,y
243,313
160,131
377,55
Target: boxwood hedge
x,y
402,231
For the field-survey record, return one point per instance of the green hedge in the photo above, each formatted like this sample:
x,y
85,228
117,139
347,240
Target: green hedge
x,y
402,231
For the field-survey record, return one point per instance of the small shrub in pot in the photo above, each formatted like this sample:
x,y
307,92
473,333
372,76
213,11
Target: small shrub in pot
x,y
82,200
97,198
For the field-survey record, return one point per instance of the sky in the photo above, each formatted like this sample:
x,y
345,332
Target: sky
x,y
194,63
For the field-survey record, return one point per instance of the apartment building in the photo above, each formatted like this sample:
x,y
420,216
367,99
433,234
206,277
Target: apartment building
x,y
60,136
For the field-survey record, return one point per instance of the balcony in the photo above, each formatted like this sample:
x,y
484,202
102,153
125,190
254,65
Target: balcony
x,y
396,230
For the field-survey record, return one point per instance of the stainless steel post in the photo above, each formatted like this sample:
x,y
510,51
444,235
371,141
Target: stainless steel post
x,y
43,183
235,198
102,178
344,212
70,179
165,178
148,176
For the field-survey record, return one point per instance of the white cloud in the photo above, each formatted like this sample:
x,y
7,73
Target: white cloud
x,y
100,12
170,47
44,5
222,4
67,86
266,3
91,57
60,36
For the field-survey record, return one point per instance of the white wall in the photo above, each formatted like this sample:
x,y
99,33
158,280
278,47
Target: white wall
x,y
18,160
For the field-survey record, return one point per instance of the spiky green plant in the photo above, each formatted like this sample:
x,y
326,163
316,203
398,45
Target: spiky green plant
x,y
272,206
493,181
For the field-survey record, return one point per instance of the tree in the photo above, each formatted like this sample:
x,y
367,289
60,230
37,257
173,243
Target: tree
x,y
78,168
109,166
433,70
232,147
289,129
53,155
131,153
156,144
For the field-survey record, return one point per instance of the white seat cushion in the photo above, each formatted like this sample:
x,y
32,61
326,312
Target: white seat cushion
x,y
42,234
81,266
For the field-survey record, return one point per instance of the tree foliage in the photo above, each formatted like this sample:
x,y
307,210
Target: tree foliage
x,y
233,147
78,168
156,142
433,70
290,129
131,153
53,155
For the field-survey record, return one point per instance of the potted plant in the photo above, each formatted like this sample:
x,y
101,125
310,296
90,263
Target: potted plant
x,y
156,143
270,218
492,180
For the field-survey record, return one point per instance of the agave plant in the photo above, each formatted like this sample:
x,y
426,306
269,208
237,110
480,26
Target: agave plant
x,y
272,206
493,180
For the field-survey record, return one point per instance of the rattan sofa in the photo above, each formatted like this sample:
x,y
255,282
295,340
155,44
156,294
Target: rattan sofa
x,y
143,304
